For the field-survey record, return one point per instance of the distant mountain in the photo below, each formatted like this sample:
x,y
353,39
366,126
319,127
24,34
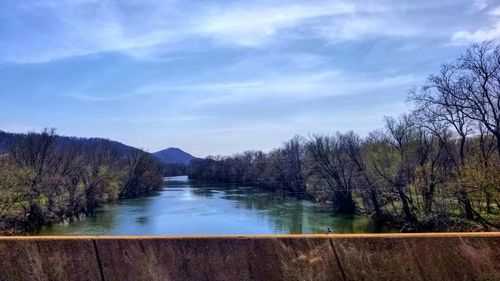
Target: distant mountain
x,y
7,140
167,156
174,155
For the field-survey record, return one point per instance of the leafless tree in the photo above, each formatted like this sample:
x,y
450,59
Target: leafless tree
x,y
334,163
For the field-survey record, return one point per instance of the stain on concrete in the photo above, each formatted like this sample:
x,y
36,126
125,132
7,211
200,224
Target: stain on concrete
x,y
218,259
47,259
420,258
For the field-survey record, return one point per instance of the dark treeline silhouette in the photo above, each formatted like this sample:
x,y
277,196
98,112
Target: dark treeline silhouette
x,y
435,168
174,169
45,178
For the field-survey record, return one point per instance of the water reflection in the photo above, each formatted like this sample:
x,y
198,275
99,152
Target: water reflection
x,y
187,208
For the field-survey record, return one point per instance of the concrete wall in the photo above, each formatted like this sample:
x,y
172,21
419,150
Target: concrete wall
x,y
472,256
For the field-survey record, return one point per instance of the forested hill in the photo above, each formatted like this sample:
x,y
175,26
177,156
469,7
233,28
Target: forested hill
x,y
171,155
7,140
45,178
174,155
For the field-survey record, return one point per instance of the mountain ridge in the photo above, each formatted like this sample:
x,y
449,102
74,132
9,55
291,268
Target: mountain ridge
x,y
173,155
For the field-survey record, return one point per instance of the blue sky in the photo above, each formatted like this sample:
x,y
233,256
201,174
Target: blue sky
x,y
218,77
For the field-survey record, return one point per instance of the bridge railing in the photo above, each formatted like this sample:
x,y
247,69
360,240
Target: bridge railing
x,y
449,256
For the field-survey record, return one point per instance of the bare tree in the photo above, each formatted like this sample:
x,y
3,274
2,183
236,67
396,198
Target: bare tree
x,y
337,168
353,146
479,81
33,152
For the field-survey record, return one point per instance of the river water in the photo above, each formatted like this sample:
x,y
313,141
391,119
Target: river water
x,y
182,207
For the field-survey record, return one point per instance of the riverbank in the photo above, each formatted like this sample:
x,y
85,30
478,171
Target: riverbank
x,y
184,207
14,230
388,221
46,179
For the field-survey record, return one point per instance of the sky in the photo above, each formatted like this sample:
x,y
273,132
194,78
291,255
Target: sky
x,y
220,77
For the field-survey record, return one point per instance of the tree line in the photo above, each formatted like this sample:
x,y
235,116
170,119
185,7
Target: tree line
x,y
174,169
434,168
45,178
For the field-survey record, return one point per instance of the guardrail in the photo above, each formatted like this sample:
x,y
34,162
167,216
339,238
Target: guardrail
x,y
447,256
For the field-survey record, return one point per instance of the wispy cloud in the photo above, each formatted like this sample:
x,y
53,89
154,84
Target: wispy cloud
x,y
491,31
495,11
96,98
255,25
479,5
484,34
79,28
142,29
158,73
291,87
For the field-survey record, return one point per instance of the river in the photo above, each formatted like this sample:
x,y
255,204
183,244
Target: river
x,y
182,207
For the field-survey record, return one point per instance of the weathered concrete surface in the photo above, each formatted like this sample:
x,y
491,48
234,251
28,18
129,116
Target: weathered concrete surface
x,y
47,259
420,257
218,259
465,256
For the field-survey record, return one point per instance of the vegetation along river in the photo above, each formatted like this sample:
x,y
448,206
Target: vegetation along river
x,y
183,207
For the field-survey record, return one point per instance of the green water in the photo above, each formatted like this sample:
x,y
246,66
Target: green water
x,y
185,208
